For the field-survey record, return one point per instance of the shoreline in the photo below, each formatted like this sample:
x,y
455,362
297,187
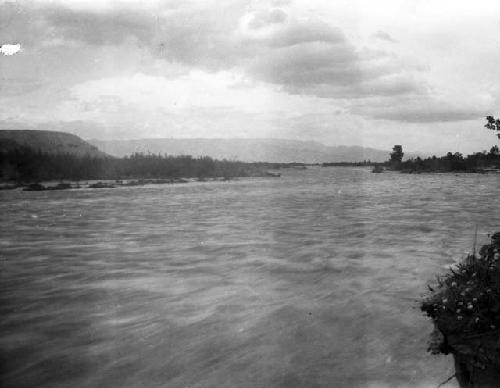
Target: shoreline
x,y
67,184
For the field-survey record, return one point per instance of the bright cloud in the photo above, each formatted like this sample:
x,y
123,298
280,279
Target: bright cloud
x,y
10,49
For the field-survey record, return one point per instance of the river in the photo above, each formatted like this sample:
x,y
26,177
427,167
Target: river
x,y
308,280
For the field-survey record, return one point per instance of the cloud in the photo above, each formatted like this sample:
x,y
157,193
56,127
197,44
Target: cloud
x,y
307,56
423,109
310,32
268,43
42,24
142,93
302,67
303,56
335,70
100,28
384,36
428,113
265,18
18,86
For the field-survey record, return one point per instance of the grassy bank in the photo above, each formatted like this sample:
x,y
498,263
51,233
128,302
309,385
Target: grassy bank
x,y
465,309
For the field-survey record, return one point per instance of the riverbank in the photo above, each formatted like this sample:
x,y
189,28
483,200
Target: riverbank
x,y
465,309
488,170
479,162
109,184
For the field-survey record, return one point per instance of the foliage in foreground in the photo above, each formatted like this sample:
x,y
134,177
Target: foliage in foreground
x,y
467,299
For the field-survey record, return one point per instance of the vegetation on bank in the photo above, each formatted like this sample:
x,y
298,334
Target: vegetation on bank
x,y
24,164
452,162
467,299
465,309
364,163
484,161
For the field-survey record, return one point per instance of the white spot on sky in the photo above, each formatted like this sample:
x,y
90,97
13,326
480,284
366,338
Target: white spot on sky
x,y
10,49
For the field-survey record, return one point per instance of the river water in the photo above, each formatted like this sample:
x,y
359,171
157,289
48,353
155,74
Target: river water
x,y
309,280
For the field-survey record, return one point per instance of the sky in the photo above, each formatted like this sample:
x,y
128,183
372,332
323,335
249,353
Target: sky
x,y
421,73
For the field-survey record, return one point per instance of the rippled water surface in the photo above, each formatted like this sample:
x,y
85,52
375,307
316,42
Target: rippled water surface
x,y
310,280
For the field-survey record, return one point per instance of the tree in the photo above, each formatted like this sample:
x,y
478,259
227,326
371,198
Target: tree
x,y
493,124
397,153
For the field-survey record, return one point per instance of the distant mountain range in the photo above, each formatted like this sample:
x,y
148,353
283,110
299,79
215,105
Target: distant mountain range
x,y
247,150
47,141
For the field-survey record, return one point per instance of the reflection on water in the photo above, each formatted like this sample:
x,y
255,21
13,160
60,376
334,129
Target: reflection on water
x,y
311,280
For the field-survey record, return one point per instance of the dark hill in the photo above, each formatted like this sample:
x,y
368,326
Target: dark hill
x,y
51,142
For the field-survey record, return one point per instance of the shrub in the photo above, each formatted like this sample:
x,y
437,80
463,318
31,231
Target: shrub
x,y
467,299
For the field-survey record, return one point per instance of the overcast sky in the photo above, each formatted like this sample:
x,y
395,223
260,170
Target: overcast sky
x,y
422,73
